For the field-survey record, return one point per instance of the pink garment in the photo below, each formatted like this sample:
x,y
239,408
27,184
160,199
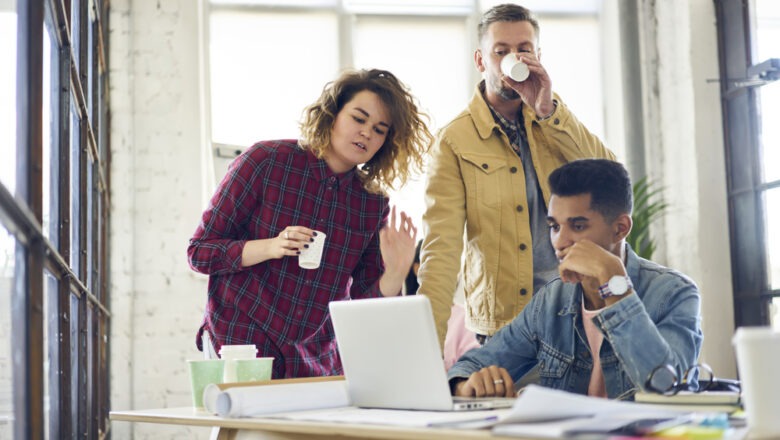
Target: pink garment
x,y
597,387
459,339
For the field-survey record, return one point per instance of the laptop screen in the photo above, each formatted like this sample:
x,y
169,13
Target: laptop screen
x,y
390,353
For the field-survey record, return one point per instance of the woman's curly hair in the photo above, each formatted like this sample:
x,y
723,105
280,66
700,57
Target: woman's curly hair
x,y
407,139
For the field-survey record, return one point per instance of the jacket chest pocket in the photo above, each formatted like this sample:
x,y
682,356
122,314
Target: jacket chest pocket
x,y
552,367
483,177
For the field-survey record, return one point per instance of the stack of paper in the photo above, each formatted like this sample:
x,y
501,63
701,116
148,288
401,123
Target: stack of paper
x,y
547,413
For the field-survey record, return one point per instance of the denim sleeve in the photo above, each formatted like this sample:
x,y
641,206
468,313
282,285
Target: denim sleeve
x,y
513,347
663,327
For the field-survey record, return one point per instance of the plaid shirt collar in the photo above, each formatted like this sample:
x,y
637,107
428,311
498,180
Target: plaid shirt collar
x,y
515,130
323,173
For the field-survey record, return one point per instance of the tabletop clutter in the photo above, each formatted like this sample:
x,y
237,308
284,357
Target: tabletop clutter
x,y
237,363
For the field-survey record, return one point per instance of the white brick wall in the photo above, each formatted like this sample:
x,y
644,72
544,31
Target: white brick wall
x,y
157,301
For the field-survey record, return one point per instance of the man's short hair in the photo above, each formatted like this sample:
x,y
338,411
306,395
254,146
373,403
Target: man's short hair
x,y
607,182
506,12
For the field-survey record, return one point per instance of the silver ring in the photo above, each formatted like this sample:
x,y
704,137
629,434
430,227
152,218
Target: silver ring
x,y
286,235
498,381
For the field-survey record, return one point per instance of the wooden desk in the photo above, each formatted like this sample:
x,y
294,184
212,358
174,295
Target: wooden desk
x,y
278,429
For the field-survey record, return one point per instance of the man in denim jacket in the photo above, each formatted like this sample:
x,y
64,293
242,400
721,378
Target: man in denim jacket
x,y
608,320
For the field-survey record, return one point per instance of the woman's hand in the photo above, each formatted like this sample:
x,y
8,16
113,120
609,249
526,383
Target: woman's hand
x,y
397,241
290,241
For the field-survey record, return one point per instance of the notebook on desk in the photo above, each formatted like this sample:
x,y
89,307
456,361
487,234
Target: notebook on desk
x,y
391,356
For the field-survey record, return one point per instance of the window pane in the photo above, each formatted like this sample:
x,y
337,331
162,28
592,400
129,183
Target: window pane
x,y
769,101
75,191
7,254
767,29
265,68
443,90
772,224
572,62
50,370
774,313
49,131
546,6
8,99
289,3
74,365
421,7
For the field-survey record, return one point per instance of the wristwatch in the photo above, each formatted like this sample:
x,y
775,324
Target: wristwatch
x,y
616,286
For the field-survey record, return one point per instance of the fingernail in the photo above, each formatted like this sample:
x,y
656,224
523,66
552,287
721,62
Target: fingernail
x,y
306,245
315,234
311,240
298,252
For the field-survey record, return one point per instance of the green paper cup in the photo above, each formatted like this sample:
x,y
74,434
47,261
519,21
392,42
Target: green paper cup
x,y
251,370
202,373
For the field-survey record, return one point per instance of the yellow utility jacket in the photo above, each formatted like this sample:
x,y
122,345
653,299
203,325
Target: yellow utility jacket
x,y
476,181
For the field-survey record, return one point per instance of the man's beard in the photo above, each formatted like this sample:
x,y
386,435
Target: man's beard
x,y
504,92
508,94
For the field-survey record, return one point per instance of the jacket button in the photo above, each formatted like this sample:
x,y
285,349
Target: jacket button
x,y
519,208
513,170
556,121
523,292
484,166
522,246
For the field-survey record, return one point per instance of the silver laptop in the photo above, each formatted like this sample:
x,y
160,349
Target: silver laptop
x,y
391,356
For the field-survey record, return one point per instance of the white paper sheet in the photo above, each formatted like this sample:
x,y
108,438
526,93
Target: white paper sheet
x,y
538,404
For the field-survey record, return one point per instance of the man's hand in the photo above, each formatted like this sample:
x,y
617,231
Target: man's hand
x,y
492,381
536,90
586,259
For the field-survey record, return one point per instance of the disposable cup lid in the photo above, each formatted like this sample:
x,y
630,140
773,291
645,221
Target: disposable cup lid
x,y
238,348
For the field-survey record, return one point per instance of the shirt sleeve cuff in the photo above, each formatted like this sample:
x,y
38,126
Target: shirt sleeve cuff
x,y
623,310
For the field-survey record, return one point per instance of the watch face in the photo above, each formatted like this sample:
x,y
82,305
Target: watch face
x,y
618,285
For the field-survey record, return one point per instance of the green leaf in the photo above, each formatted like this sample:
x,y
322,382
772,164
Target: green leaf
x,y
649,205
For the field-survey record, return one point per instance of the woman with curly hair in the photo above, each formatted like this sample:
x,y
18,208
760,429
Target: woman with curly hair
x,y
361,137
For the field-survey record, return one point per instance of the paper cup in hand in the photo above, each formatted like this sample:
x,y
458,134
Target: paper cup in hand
x,y
514,68
310,257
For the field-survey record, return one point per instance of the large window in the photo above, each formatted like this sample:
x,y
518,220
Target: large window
x,y
268,59
750,68
54,190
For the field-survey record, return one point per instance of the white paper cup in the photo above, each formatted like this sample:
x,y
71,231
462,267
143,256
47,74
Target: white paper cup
x,y
758,355
514,68
310,257
231,353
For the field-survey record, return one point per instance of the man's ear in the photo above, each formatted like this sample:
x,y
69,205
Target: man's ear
x,y
622,226
479,61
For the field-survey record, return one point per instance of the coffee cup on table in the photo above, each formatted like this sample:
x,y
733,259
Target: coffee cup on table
x,y
203,373
230,354
252,370
758,355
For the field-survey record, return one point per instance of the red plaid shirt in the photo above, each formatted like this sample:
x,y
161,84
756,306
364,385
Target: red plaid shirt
x,y
276,305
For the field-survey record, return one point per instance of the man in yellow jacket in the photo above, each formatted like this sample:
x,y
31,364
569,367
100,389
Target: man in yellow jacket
x,y
488,174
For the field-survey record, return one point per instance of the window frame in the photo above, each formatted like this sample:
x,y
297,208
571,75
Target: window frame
x,y
741,124
77,386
